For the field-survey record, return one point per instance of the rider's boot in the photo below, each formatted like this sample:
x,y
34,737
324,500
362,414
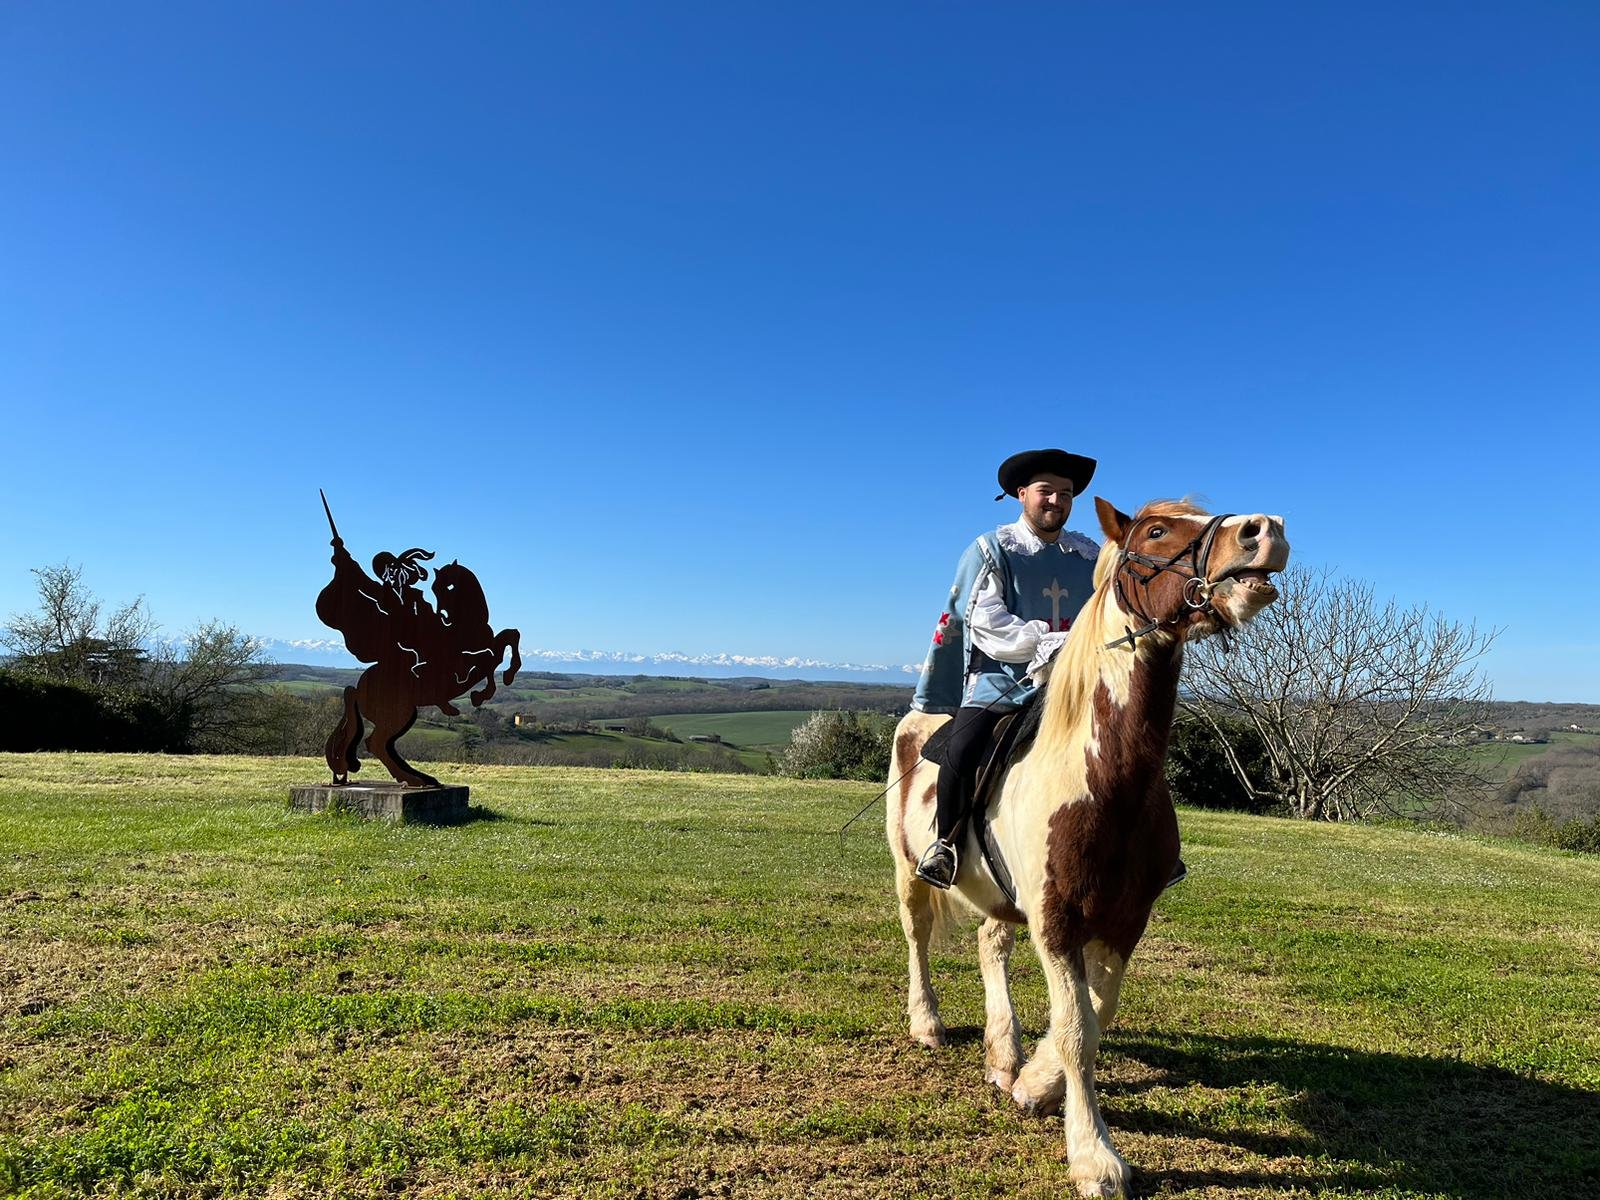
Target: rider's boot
x,y
939,864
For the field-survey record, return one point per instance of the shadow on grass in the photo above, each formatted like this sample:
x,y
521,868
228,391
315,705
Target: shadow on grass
x,y
1370,1120
473,815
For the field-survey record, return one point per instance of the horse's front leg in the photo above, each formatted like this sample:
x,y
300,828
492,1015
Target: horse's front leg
x,y
510,639
1104,969
1002,1039
1093,1163
481,671
483,693
1041,1083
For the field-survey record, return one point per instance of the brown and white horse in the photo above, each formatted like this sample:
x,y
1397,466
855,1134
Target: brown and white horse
x,y
1083,819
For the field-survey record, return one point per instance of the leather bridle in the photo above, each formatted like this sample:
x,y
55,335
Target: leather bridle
x,y
1196,587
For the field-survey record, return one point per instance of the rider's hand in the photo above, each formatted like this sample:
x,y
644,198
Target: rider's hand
x,y
1049,646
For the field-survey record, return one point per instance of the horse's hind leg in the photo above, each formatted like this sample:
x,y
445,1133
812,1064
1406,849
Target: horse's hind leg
x,y
1002,1039
340,750
382,744
916,918
391,716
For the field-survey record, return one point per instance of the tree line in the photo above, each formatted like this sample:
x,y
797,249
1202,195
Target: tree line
x,y
80,676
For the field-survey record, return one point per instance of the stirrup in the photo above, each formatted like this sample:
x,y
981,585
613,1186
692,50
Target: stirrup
x,y
1179,874
923,865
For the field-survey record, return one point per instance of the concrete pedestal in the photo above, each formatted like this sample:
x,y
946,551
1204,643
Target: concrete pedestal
x,y
434,804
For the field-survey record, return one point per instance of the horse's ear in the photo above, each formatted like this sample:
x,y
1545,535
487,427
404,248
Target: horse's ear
x,y
1113,523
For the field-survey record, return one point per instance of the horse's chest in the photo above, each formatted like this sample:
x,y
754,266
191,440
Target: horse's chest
x,y
1105,867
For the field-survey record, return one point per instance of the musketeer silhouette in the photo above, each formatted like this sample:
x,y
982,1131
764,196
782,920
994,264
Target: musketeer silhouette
x,y
421,655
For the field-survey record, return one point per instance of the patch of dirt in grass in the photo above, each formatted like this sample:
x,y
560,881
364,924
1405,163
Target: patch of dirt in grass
x,y
65,972
792,1117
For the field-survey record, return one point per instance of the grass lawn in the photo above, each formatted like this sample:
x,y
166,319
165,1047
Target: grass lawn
x,y
622,984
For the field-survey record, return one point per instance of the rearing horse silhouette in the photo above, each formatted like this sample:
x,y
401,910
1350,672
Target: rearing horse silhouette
x,y
422,654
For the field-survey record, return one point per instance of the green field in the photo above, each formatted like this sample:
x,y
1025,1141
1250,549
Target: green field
x,y
754,729
308,689
625,984
1498,760
617,743
423,742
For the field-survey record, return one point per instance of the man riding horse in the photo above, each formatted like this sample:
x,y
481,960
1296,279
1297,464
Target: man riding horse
x,y
1016,592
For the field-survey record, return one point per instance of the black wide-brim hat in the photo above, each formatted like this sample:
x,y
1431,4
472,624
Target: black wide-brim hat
x,y
1020,469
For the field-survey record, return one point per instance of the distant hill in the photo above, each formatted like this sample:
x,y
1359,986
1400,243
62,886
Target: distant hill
x,y
557,718
558,697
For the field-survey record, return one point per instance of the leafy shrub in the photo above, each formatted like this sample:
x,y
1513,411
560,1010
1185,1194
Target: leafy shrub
x,y
840,745
1198,771
642,727
38,714
1578,833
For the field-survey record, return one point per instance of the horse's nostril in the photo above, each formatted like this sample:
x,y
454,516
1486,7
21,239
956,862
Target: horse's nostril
x,y
1250,529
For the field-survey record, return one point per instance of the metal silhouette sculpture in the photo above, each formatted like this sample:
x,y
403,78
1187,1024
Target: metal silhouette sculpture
x,y
421,655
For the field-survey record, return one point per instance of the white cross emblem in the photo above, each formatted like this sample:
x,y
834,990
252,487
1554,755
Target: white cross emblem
x,y
1055,591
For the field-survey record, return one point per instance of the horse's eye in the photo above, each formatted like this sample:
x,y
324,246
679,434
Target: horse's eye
x,y
1157,533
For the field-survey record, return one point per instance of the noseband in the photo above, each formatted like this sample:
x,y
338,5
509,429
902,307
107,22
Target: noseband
x,y
1196,587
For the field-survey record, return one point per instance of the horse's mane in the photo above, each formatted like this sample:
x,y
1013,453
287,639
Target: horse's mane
x,y
1075,674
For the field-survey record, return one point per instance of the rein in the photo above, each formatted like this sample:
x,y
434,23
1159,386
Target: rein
x,y
1196,587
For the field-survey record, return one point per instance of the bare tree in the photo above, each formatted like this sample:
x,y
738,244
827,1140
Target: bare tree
x,y
65,640
1364,709
205,685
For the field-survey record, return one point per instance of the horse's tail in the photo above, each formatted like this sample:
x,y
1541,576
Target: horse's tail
x,y
951,915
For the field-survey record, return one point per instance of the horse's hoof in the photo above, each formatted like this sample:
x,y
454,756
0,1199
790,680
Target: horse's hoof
x,y
1031,1105
1004,1080
933,1039
1098,1189
1106,1175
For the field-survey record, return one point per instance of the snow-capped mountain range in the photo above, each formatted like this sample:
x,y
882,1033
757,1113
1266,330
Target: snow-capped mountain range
x,y
331,652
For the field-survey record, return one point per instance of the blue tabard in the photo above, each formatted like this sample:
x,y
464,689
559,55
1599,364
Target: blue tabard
x,y
1051,585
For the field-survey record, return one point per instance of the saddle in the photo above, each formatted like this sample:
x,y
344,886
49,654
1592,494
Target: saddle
x,y
1012,736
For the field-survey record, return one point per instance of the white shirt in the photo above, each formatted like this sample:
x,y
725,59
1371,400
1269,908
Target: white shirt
x,y
995,629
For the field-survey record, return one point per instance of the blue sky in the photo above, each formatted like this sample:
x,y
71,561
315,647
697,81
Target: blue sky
x,y
703,327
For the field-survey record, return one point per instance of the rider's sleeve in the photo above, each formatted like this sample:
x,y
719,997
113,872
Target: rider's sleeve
x,y
997,631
